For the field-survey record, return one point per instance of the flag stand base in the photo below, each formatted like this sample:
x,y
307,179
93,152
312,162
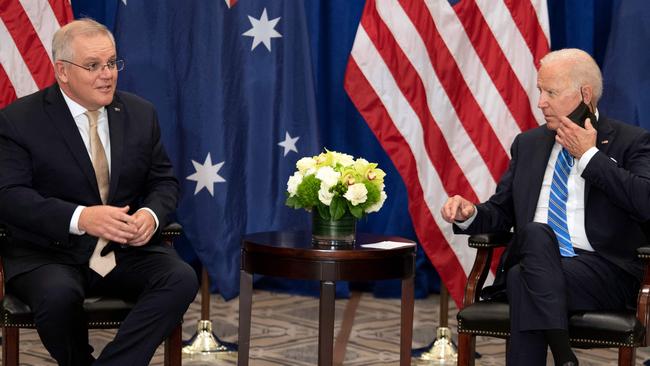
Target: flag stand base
x,y
205,342
443,351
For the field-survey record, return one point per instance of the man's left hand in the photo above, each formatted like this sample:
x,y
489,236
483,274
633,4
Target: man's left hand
x,y
146,226
575,139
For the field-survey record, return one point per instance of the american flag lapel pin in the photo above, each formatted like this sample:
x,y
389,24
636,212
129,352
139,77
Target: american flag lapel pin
x,y
117,109
605,142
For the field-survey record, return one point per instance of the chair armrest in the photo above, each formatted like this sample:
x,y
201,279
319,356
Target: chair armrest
x,y
485,244
3,236
643,253
643,299
171,232
491,240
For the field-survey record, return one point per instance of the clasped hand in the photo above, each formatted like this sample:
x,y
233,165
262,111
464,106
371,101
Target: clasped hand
x,y
575,139
115,224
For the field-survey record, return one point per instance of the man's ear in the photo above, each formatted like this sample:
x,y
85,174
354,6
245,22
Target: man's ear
x,y
60,71
587,94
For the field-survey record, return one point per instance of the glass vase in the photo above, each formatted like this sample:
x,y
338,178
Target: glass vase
x,y
333,233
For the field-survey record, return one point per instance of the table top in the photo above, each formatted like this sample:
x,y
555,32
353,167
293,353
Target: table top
x,y
291,254
299,244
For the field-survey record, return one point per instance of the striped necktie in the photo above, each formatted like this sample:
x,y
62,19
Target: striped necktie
x,y
557,203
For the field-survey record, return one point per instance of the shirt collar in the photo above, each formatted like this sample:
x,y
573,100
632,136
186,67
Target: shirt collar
x,y
75,108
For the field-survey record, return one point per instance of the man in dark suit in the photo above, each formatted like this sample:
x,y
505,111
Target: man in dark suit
x,y
85,187
576,198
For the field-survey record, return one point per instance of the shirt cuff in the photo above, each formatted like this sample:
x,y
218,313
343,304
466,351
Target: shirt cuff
x,y
155,218
585,159
74,221
465,224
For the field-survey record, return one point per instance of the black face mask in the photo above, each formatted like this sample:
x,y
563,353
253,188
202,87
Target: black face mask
x,y
581,113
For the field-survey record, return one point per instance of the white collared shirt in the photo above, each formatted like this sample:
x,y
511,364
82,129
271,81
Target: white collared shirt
x,y
575,202
83,125
575,206
81,120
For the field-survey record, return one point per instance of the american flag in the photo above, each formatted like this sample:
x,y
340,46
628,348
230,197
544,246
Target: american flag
x,y
26,30
446,86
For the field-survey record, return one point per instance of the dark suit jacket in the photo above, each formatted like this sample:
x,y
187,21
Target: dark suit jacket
x,y
617,192
46,172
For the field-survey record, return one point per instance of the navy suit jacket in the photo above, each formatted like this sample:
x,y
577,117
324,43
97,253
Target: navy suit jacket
x,y
617,193
46,172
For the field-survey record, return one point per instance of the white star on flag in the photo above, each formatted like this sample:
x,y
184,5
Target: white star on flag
x,y
263,30
206,175
289,143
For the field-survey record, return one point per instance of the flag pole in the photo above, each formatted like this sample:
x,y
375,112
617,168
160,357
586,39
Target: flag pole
x,y
204,341
443,351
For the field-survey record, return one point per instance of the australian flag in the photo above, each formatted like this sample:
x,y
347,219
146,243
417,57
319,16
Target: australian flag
x,y
232,84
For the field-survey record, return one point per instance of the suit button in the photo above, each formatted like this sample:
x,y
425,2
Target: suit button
x,y
57,243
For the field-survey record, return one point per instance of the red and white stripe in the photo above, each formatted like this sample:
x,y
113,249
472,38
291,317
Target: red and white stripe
x,y
230,3
26,30
446,89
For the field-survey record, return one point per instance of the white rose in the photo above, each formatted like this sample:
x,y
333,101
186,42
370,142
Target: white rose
x,y
305,164
356,194
379,204
324,194
328,176
293,183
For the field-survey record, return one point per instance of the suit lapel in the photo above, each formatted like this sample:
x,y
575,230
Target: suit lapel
x,y
541,150
60,116
116,123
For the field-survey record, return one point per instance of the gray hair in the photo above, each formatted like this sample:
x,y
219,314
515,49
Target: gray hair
x,y
582,69
61,43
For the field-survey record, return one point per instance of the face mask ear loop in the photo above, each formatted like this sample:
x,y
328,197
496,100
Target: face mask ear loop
x,y
591,107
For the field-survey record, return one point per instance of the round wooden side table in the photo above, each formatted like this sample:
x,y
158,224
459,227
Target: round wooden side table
x,y
291,254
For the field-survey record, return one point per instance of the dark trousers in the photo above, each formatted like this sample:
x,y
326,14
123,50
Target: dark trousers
x,y
161,284
544,287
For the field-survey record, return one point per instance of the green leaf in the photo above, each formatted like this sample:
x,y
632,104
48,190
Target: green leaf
x,y
293,202
323,211
337,208
356,211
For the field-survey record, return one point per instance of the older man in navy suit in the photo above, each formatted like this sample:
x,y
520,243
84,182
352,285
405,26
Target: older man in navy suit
x,y
576,195
85,186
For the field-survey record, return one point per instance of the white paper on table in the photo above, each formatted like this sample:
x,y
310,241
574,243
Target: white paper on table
x,y
388,245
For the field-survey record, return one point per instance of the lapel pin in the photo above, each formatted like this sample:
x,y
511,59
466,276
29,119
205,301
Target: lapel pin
x,y
116,109
604,142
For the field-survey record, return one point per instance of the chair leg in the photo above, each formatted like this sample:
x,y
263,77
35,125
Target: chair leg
x,y
626,356
466,349
174,347
10,346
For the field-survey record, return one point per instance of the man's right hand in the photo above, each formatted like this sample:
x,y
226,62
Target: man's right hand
x,y
108,222
457,208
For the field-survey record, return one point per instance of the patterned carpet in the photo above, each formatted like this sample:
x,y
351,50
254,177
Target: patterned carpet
x,y
285,332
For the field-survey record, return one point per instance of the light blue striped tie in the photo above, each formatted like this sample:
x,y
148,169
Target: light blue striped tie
x,y
557,203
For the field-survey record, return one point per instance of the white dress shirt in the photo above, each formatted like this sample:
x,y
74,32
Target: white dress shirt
x,y
83,125
575,206
575,202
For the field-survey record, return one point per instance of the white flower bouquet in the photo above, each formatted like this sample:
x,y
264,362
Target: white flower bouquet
x,y
334,183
